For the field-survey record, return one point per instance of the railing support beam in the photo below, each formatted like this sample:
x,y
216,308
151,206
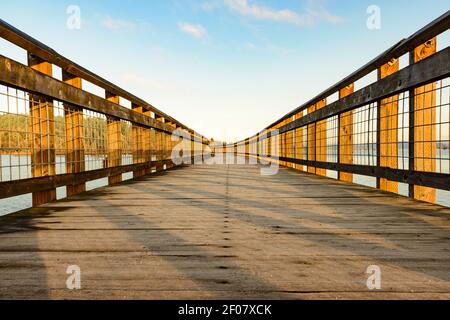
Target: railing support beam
x,y
346,135
425,145
321,139
74,120
389,113
42,129
114,137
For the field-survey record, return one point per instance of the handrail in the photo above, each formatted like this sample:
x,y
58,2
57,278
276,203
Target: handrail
x,y
404,46
31,45
70,136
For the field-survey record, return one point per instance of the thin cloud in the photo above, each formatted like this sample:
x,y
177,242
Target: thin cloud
x,y
250,46
209,6
140,81
118,24
197,31
314,13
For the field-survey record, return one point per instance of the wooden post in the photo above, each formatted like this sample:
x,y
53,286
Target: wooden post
x,y
42,129
193,148
160,140
321,140
149,144
158,143
299,143
283,147
247,148
389,129
114,133
137,138
147,139
346,136
425,147
166,146
312,141
286,143
74,120
289,145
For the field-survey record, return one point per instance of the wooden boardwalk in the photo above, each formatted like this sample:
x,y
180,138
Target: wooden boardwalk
x,y
227,232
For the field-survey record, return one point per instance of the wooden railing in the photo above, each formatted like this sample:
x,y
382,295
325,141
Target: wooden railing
x,y
395,130
55,134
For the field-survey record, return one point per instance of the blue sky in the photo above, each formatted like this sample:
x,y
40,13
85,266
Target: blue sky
x,y
226,68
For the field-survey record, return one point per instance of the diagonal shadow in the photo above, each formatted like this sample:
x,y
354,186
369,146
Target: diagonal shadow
x,y
220,257
20,253
358,246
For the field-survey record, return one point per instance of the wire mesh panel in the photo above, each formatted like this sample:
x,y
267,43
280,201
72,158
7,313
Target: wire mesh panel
x,y
431,127
126,142
15,138
59,139
42,130
332,139
75,139
443,126
95,140
364,135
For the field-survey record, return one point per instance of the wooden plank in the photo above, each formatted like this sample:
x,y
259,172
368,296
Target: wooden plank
x,y
321,139
114,139
346,135
74,121
425,125
389,114
42,129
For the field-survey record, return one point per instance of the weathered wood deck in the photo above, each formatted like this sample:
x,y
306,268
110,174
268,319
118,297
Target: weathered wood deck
x,y
228,232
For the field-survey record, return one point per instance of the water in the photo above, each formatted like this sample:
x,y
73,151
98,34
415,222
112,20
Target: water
x,y
19,167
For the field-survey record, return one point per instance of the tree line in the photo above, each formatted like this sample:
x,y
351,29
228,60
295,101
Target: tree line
x,y
15,134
